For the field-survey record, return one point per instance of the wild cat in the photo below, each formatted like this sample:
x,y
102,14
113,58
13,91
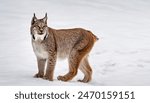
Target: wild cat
x,y
50,44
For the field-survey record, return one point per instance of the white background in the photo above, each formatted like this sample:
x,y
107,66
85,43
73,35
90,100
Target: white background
x,y
120,57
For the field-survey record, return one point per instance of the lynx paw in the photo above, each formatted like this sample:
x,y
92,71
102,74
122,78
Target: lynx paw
x,y
84,81
38,75
62,78
47,78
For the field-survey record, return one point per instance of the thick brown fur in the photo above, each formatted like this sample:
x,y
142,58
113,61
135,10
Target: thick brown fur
x,y
50,44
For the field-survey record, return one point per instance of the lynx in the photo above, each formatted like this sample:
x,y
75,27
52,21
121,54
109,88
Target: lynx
x,y
49,44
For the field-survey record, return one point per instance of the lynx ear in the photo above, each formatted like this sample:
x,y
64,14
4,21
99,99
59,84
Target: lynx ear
x,y
45,18
33,19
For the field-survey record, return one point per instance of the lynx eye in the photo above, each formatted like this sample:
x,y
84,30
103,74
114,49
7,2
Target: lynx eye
x,y
38,27
44,26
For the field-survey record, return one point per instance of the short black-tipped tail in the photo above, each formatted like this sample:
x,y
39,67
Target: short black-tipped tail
x,y
95,37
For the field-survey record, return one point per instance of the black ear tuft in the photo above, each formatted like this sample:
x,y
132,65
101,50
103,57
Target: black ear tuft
x,y
45,15
45,18
33,19
34,15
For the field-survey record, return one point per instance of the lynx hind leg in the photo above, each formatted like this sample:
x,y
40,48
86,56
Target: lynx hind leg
x,y
86,69
79,51
74,61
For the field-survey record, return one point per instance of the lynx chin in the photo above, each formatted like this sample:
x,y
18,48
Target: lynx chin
x,y
49,44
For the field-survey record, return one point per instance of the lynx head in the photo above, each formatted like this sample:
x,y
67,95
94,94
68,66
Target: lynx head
x,y
39,28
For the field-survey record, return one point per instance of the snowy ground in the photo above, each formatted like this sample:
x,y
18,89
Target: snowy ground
x,y
120,57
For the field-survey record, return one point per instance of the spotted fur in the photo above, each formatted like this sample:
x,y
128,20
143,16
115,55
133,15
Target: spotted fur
x,y
50,44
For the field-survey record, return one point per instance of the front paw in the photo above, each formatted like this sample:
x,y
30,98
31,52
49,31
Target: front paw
x,y
47,78
38,75
62,78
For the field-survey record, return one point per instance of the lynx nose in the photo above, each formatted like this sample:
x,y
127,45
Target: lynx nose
x,y
41,31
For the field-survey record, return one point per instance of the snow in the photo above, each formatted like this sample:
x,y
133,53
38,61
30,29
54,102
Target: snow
x,y
120,57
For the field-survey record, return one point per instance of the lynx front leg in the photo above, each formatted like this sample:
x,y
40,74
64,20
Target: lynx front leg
x,y
50,67
41,67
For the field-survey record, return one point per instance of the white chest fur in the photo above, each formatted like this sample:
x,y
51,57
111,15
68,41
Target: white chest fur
x,y
39,37
39,50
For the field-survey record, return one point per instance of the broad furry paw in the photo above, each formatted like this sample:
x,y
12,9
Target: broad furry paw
x,y
47,78
62,78
83,81
38,75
